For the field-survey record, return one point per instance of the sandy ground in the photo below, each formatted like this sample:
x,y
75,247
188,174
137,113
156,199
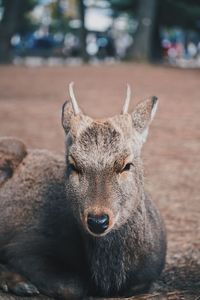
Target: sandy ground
x,y
30,105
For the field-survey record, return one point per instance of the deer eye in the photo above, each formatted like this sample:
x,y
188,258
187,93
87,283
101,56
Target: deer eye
x,y
72,168
127,167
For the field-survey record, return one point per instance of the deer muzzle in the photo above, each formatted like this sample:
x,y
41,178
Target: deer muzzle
x,y
98,224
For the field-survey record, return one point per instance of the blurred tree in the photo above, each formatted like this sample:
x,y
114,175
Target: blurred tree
x,y
151,16
147,33
144,37
14,20
83,31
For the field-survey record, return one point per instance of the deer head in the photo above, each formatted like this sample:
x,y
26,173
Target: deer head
x,y
104,176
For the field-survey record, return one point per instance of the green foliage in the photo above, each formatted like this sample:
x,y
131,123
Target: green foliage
x,y
25,24
15,15
182,13
60,21
14,20
124,5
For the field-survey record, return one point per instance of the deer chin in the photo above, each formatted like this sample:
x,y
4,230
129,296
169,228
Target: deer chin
x,y
98,235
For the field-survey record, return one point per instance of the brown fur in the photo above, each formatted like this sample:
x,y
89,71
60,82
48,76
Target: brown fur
x,y
44,235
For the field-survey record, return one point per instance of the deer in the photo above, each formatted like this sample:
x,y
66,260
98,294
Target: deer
x,y
83,224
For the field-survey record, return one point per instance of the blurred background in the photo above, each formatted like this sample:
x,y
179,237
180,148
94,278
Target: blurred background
x,y
76,31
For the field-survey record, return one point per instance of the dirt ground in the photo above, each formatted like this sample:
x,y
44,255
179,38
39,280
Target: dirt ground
x,y
30,105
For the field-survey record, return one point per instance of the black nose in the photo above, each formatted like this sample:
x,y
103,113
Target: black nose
x,y
98,223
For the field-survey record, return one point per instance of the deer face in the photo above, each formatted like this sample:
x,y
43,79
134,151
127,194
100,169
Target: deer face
x,y
104,178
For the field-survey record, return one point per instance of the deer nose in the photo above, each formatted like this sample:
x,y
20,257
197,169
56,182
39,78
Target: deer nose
x,y
98,223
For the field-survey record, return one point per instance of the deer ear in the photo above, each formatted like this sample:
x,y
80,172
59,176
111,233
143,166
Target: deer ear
x,y
67,114
73,122
143,115
70,110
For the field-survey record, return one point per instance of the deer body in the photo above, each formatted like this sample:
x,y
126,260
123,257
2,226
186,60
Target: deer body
x,y
125,257
83,226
